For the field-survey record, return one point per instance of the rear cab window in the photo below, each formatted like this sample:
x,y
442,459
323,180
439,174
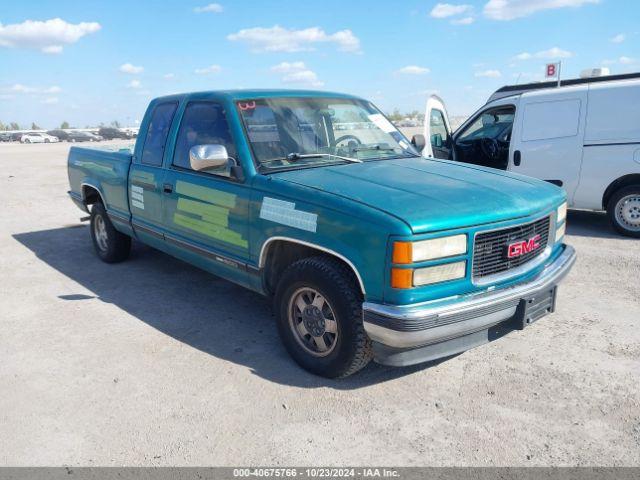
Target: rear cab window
x,y
156,139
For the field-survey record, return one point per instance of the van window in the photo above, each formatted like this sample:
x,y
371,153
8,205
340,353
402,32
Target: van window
x,y
203,123
544,120
493,123
438,127
157,132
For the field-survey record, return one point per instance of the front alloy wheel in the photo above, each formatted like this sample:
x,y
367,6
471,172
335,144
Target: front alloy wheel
x,y
313,322
318,306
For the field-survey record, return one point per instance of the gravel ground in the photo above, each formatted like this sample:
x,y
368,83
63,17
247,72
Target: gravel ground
x,y
154,362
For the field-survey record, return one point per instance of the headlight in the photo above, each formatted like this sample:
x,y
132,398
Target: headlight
x,y
561,215
411,252
560,232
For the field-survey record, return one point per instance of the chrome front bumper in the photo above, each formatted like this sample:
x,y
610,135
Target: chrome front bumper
x,y
452,325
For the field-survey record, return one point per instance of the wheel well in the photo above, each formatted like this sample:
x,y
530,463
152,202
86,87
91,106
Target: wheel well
x,y
91,195
632,179
279,254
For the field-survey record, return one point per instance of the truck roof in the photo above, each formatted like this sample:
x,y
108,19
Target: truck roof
x,y
248,94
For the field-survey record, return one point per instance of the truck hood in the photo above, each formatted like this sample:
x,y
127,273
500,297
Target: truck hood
x,y
431,195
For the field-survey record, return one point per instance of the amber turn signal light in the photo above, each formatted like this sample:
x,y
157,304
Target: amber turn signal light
x,y
401,278
402,252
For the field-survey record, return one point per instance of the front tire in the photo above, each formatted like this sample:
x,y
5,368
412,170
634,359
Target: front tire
x,y
319,315
110,245
624,211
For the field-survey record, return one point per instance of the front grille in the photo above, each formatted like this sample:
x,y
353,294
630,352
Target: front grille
x,y
489,249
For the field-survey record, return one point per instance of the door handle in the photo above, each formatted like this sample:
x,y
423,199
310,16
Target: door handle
x,y
167,188
517,158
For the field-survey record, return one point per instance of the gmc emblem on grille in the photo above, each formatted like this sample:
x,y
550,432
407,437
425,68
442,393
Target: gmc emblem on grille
x,y
519,248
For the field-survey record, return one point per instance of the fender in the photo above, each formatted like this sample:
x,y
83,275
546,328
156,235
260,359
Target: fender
x,y
263,251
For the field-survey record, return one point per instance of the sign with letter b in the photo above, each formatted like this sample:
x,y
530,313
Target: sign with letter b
x,y
552,70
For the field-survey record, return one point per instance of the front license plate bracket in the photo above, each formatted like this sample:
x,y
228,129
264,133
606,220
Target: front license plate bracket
x,y
535,307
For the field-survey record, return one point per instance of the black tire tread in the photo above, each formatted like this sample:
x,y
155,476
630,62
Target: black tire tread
x,y
119,243
343,277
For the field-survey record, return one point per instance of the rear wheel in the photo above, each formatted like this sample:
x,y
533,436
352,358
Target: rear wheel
x,y
46,140
624,211
110,245
319,314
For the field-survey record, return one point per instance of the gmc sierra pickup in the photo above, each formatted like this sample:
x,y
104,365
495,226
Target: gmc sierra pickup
x,y
315,199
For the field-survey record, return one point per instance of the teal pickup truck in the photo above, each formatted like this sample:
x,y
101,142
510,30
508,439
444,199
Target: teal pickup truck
x,y
368,249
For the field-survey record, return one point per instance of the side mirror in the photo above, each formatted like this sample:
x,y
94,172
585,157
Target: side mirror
x,y
419,142
436,140
210,157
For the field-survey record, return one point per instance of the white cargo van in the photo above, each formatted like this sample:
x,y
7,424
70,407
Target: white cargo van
x,y
583,136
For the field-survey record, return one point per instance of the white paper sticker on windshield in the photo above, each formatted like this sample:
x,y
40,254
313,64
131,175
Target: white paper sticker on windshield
x,y
285,213
382,123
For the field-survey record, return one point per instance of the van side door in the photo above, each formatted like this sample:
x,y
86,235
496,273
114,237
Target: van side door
x,y
548,136
146,174
206,213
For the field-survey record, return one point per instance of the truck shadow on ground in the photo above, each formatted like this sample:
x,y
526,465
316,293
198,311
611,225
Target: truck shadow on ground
x,y
192,306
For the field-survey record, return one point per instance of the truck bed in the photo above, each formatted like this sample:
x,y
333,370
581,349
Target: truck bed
x,y
104,170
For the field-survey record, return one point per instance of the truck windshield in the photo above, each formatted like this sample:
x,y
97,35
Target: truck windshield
x,y
303,132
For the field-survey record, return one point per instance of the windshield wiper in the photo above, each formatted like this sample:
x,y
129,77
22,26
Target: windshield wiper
x,y
365,148
294,156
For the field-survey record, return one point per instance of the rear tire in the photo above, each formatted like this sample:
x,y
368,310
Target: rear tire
x,y
328,340
624,211
110,245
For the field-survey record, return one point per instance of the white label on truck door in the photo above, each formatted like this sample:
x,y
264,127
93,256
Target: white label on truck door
x,y
285,213
137,197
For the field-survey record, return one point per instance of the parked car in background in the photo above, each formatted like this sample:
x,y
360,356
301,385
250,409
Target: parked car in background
x,y
367,249
84,137
5,137
34,137
62,135
583,136
16,136
109,133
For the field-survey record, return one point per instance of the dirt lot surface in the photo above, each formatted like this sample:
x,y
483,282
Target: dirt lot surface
x,y
154,362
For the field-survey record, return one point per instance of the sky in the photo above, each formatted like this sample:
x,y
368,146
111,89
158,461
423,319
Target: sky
x,y
97,61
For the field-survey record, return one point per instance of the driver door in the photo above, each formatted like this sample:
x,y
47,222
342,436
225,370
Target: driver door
x,y
437,131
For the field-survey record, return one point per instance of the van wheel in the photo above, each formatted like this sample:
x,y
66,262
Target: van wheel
x,y
319,314
624,211
110,245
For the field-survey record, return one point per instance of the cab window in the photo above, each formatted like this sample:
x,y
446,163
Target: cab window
x,y
203,123
157,132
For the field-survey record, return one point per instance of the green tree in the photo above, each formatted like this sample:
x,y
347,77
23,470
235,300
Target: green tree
x,y
2,126
14,126
35,126
64,125
395,116
115,124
